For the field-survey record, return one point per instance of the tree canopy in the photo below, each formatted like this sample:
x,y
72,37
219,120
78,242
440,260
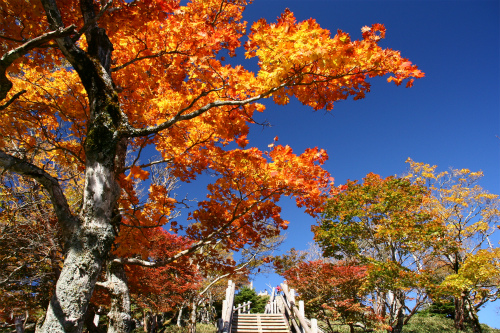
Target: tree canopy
x,y
383,223
467,261
87,87
424,237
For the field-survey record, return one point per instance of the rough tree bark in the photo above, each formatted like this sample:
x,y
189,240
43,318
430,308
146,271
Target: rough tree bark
x,y
465,313
146,321
473,318
20,322
93,234
120,320
459,318
380,306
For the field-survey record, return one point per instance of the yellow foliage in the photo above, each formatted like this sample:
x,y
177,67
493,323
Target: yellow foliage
x,y
469,216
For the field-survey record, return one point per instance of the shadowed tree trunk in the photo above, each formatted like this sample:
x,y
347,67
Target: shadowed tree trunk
x,y
90,323
397,311
459,318
20,322
120,320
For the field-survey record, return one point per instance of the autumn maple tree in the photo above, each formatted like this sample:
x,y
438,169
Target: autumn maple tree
x,y
334,293
162,289
83,84
383,224
467,261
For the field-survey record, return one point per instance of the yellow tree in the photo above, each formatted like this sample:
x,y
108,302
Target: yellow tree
x,y
469,216
82,82
381,223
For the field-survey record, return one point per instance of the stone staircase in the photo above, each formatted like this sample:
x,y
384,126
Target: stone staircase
x,y
259,322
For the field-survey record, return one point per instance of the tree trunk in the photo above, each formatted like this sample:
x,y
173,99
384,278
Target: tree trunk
x,y
192,318
89,236
91,243
75,285
19,322
120,320
179,316
380,303
397,311
154,323
459,317
473,318
146,321
90,323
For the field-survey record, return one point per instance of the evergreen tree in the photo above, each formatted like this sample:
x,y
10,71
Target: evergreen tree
x,y
246,294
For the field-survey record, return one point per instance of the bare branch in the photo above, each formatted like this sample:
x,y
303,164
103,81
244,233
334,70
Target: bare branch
x,y
209,239
227,274
104,285
159,263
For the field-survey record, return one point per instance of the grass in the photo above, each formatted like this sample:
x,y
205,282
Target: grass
x,y
424,324
200,328
420,324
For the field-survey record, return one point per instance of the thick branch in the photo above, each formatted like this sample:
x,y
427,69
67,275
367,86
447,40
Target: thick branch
x,y
9,57
91,19
180,116
12,99
193,248
92,73
66,219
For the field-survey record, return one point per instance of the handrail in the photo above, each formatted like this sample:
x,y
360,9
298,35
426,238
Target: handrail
x,y
288,314
273,295
227,309
283,303
271,303
315,327
296,314
243,308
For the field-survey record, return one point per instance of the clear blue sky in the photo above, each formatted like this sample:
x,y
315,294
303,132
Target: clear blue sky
x,y
449,118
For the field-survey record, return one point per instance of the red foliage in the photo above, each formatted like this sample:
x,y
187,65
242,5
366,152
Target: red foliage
x,y
333,292
158,288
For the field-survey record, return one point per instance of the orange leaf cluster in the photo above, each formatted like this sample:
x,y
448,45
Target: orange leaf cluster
x,y
172,92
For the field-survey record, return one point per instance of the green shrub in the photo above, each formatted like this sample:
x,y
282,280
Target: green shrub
x,y
441,309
